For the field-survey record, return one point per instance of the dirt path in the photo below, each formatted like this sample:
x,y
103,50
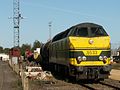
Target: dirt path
x,y
8,79
115,74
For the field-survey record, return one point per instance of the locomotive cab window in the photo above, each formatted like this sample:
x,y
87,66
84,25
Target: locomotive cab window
x,y
81,32
88,32
98,31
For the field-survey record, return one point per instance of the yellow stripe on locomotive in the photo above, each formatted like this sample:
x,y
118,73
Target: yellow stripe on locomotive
x,y
98,50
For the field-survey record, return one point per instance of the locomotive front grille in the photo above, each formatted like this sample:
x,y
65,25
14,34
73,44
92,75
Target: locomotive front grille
x,y
92,58
75,54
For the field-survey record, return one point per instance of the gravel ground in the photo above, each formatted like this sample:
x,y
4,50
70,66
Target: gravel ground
x,y
9,80
62,85
58,85
115,74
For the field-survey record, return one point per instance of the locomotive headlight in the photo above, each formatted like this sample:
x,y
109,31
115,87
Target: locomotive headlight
x,y
79,58
84,58
105,57
100,58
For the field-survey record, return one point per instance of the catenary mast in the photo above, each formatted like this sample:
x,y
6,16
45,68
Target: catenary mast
x,y
16,21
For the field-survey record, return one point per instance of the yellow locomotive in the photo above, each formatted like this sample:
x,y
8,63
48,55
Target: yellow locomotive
x,y
82,51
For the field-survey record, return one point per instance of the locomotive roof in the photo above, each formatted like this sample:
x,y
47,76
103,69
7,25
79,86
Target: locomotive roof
x,y
65,33
87,24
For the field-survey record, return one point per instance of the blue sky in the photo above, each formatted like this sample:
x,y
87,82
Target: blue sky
x,y
62,13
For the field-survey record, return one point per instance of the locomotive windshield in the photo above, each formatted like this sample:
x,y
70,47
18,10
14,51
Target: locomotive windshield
x,y
89,32
98,31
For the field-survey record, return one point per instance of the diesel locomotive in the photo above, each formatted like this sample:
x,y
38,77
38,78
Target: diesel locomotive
x,y
82,51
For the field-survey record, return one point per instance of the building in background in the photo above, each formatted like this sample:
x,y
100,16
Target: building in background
x,y
4,57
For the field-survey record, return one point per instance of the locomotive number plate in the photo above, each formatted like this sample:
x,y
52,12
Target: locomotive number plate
x,y
91,52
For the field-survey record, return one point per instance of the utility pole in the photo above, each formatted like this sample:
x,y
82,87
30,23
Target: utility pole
x,y
50,25
16,21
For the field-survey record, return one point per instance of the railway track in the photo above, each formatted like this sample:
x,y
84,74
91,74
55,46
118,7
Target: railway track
x,y
62,85
111,83
58,84
98,87
107,84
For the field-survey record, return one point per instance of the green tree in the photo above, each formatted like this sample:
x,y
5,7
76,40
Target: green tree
x,y
36,44
1,49
24,47
6,50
